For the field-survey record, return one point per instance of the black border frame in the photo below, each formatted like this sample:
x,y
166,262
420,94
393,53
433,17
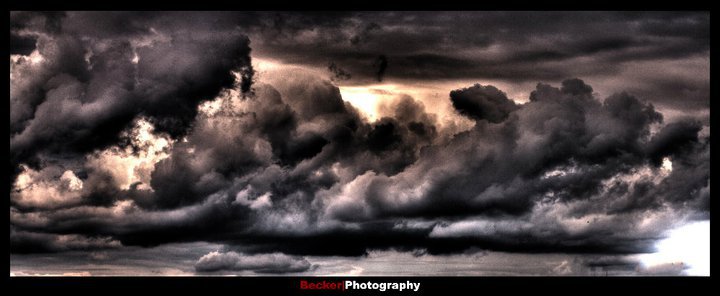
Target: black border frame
x,y
290,285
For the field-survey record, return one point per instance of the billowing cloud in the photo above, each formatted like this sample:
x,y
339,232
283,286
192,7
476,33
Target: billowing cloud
x,y
482,102
45,189
84,84
559,173
154,129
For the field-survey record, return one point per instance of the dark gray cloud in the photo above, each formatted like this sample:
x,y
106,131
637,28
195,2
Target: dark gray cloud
x,y
381,63
511,46
338,74
37,242
482,103
230,181
93,80
153,129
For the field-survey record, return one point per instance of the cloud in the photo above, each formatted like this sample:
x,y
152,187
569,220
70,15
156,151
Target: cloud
x,y
262,201
169,259
556,174
48,188
22,273
31,242
673,138
146,131
338,74
89,83
364,34
258,263
482,102
520,47
381,62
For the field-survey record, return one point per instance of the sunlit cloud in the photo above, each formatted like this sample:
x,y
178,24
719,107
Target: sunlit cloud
x,y
133,165
687,246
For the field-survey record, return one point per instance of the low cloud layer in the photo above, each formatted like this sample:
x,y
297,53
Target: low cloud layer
x,y
161,133
260,263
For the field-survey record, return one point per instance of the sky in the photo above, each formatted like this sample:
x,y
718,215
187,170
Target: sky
x,y
359,143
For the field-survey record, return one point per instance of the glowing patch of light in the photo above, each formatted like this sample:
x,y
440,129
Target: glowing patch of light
x,y
561,172
36,57
355,271
30,189
210,108
264,64
666,165
362,98
689,245
128,167
72,182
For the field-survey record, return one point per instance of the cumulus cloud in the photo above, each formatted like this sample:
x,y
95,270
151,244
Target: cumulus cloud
x,y
258,263
157,131
50,187
83,85
482,102
555,174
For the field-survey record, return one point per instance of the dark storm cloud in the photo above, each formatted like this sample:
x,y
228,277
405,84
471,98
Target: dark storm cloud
x,y
364,34
511,46
289,166
95,79
338,74
673,138
381,63
250,175
482,102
